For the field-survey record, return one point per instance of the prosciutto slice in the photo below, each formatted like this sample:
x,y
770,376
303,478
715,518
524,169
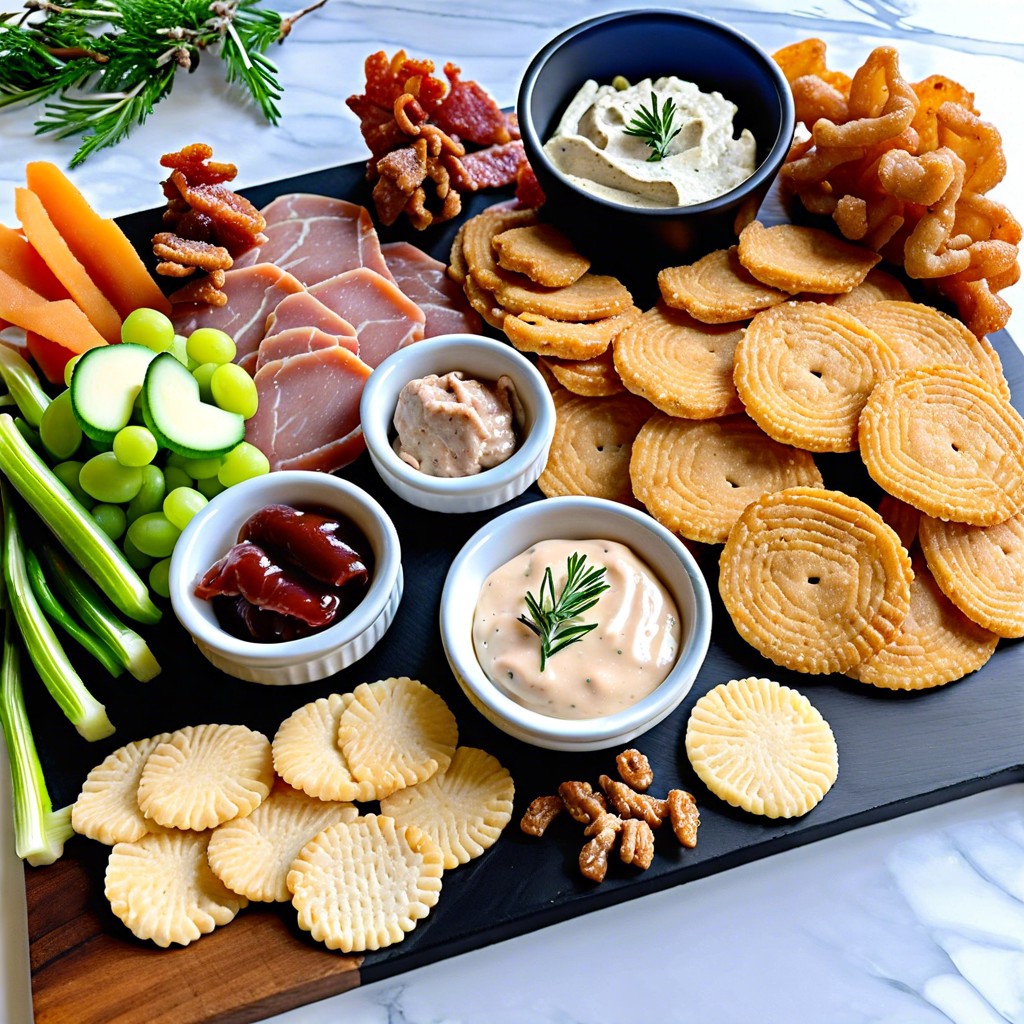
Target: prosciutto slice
x,y
305,310
425,280
297,340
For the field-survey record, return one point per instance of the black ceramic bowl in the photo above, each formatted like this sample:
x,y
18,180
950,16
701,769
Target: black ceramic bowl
x,y
648,44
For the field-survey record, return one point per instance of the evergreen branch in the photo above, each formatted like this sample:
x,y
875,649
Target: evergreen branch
x,y
655,126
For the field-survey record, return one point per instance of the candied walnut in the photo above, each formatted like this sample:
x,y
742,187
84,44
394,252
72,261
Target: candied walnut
x,y
542,811
400,187
630,804
684,816
582,803
634,769
202,291
237,224
637,843
170,269
190,253
594,855
195,164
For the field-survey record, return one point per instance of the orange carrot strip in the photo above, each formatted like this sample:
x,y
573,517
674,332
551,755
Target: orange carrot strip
x,y
50,357
21,261
62,322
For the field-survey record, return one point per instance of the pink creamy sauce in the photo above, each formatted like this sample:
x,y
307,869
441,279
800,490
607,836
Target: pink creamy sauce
x,y
624,659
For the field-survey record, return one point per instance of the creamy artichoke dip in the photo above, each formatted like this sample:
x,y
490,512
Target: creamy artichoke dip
x,y
703,160
617,664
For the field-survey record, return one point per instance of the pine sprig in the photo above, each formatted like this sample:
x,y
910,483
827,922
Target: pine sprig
x,y
552,618
656,127
103,65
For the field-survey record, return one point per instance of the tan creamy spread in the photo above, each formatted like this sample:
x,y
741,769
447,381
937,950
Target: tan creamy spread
x,y
703,161
617,664
449,426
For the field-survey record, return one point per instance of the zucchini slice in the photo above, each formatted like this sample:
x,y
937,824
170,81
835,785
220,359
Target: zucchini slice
x,y
105,383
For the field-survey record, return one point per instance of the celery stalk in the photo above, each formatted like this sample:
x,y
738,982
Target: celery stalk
x,y
72,525
39,831
23,384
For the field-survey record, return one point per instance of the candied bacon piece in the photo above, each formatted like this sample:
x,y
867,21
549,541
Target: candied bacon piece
x,y
469,112
194,163
493,167
528,190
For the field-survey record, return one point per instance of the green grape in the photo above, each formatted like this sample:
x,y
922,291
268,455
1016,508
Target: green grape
x,y
182,504
151,494
160,578
58,429
202,469
154,534
202,375
105,479
135,446
110,519
176,460
69,368
234,390
174,477
180,352
210,345
136,559
242,462
68,474
148,327
210,487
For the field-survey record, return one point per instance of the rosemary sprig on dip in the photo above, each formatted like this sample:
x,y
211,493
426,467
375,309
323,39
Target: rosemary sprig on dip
x,y
656,127
551,617
104,64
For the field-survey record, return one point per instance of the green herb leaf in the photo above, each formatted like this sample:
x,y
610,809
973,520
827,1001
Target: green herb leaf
x,y
656,127
552,617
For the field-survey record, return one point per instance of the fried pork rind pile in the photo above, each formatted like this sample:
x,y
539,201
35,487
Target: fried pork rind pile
x,y
418,128
905,169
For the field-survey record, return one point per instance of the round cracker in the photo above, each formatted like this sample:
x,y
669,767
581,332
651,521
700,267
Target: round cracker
x,y
762,747
940,439
252,856
802,259
935,645
804,371
877,286
814,579
462,809
680,365
530,332
542,253
307,755
477,244
363,884
980,569
395,733
594,378
162,888
590,297
717,289
696,476
204,775
591,445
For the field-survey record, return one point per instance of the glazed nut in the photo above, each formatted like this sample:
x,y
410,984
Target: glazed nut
x,y
637,843
604,822
634,769
685,817
628,803
541,812
581,801
594,855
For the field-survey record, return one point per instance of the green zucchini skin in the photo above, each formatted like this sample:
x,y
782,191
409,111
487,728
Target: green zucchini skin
x,y
104,386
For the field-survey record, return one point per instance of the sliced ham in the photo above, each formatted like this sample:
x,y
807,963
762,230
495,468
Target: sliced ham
x,y
253,293
425,280
308,416
317,237
297,340
384,318
305,310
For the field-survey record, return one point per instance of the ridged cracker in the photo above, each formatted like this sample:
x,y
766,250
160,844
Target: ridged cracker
x,y
762,747
477,243
593,378
363,884
531,332
542,253
590,297
462,809
878,286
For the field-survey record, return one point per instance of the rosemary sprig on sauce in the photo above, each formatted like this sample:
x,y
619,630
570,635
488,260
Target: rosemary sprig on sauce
x,y
102,65
552,617
656,127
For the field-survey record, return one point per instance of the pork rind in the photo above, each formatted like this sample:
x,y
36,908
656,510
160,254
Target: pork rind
x,y
252,855
935,645
531,332
696,477
801,259
717,289
463,809
678,364
921,335
942,440
307,755
396,733
542,253
762,747
814,579
878,286
162,888
591,446
204,775
804,371
107,809
594,378
980,569
363,884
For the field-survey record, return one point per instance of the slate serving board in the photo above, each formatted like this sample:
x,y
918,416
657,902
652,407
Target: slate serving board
x,y
898,753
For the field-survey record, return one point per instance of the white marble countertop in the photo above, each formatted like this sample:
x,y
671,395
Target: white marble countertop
x,y
912,921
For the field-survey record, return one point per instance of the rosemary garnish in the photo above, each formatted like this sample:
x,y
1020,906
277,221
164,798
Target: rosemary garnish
x,y
550,617
655,126
103,65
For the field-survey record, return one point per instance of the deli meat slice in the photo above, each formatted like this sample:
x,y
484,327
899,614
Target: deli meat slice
x,y
316,237
253,293
305,310
384,318
296,340
426,281
308,415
